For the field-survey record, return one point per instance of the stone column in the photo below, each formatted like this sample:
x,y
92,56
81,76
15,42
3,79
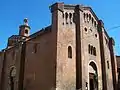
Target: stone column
x,y
102,53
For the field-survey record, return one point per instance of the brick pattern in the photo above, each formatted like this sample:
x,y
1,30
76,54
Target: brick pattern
x,y
45,64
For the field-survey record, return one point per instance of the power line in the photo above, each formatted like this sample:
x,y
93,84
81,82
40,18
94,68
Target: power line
x,y
113,28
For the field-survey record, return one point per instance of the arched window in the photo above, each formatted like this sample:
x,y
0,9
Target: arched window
x,y
87,15
92,20
63,15
95,23
69,52
70,17
94,51
66,17
26,31
84,16
89,48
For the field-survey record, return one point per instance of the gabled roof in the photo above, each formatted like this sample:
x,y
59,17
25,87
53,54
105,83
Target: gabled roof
x,y
95,16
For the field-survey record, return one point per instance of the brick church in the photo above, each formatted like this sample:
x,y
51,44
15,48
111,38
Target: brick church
x,y
73,53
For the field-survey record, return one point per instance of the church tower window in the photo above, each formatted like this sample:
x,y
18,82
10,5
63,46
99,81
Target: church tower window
x,y
26,31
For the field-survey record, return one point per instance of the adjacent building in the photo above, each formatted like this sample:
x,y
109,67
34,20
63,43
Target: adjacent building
x,y
73,53
118,70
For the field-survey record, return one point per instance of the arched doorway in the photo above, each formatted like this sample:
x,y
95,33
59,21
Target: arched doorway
x,y
12,77
93,76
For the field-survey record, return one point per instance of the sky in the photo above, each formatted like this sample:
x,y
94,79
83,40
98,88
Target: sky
x,y
12,13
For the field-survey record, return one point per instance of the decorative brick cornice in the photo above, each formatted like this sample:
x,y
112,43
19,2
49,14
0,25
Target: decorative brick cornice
x,y
57,6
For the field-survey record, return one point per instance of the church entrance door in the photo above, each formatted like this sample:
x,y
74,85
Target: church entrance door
x,y
93,77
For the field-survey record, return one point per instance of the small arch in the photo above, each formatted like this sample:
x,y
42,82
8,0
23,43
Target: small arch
x,y
95,23
74,17
93,65
70,17
12,71
94,51
63,15
92,20
84,16
89,48
69,52
89,17
66,17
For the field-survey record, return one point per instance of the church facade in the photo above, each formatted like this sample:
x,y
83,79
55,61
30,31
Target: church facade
x,y
73,53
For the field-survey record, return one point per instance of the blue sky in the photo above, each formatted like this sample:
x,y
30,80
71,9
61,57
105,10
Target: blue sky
x,y
12,13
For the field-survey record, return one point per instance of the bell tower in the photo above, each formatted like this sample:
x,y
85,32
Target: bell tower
x,y
24,30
